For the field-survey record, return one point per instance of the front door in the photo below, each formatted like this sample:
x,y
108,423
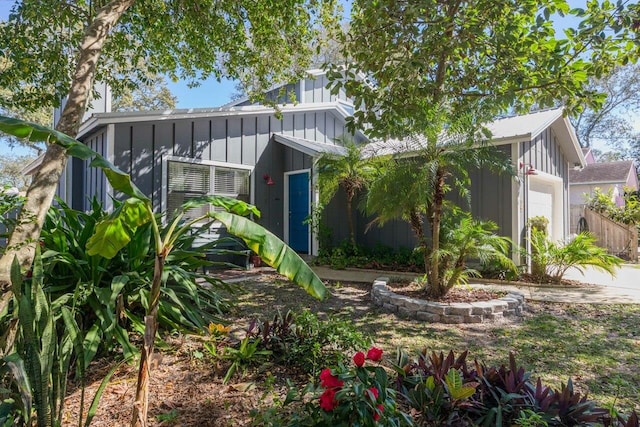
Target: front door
x,y
299,211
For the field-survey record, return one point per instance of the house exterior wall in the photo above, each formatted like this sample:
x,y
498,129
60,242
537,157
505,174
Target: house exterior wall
x,y
547,157
80,183
140,148
491,200
305,91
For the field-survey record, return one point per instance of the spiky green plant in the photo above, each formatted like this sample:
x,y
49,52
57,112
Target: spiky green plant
x,y
578,253
47,343
464,239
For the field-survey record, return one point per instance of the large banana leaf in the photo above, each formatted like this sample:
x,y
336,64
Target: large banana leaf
x,y
274,252
119,180
115,232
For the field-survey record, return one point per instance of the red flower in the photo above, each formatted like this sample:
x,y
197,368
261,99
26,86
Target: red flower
x,y
376,414
374,392
328,400
374,354
329,381
358,359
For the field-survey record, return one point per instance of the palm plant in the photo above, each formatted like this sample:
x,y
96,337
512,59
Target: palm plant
x,y
580,252
413,187
466,238
353,172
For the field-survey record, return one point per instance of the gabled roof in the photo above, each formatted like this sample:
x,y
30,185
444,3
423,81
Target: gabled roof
x,y
311,148
603,173
504,131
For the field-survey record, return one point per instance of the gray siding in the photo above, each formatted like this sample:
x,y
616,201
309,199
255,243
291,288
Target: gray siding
x,y
315,90
242,140
310,90
491,200
87,181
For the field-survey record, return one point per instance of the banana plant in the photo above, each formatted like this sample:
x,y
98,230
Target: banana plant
x,y
115,232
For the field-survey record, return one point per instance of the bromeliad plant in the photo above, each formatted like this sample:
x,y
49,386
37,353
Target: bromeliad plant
x,y
114,232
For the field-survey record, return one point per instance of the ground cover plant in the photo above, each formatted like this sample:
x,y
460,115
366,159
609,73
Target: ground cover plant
x,y
594,345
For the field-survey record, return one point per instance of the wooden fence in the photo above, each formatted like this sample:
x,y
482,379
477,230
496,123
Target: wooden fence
x,y
619,239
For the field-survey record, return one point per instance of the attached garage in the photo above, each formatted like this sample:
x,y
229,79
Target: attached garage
x,y
545,199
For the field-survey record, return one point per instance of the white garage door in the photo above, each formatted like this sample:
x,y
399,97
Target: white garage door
x,y
541,202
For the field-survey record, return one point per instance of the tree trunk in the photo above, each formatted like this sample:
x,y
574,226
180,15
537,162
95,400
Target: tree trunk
x,y
141,404
41,191
438,288
352,233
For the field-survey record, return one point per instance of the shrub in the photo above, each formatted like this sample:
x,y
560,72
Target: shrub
x,y
107,289
306,342
447,391
464,238
357,394
555,259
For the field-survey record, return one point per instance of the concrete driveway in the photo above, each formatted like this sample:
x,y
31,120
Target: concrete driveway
x,y
598,288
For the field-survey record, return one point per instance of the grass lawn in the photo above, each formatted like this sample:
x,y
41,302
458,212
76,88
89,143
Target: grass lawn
x,y
598,346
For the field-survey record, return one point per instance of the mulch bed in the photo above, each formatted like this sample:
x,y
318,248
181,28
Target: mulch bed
x,y
457,294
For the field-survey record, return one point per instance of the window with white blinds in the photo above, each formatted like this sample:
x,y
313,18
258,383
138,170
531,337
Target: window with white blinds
x,y
190,180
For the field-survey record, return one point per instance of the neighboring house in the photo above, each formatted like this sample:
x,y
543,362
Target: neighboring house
x,y
605,176
247,151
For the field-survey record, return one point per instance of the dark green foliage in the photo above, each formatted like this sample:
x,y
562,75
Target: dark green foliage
x,y
306,342
45,344
378,257
108,290
554,259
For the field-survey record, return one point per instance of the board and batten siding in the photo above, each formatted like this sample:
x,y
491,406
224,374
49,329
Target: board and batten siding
x,y
545,155
491,200
305,91
81,183
140,147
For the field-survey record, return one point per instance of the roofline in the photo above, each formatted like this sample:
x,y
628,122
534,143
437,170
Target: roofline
x,y
574,139
314,72
552,119
100,119
287,141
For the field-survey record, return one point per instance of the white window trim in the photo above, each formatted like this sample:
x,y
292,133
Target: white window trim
x,y
213,163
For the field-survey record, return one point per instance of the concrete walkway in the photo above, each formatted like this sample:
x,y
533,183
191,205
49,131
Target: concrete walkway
x,y
624,289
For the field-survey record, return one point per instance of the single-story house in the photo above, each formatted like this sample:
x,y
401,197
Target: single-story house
x,y
616,177
246,150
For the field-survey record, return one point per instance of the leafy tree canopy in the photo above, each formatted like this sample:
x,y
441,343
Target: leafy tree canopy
x,y
188,40
484,57
11,171
613,121
150,94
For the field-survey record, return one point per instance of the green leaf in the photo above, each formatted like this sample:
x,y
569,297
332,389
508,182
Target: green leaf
x,y
110,236
235,206
34,132
274,252
135,213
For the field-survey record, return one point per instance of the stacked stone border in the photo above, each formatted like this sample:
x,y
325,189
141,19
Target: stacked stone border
x,y
475,312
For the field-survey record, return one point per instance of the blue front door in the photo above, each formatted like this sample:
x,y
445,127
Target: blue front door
x,y
299,211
